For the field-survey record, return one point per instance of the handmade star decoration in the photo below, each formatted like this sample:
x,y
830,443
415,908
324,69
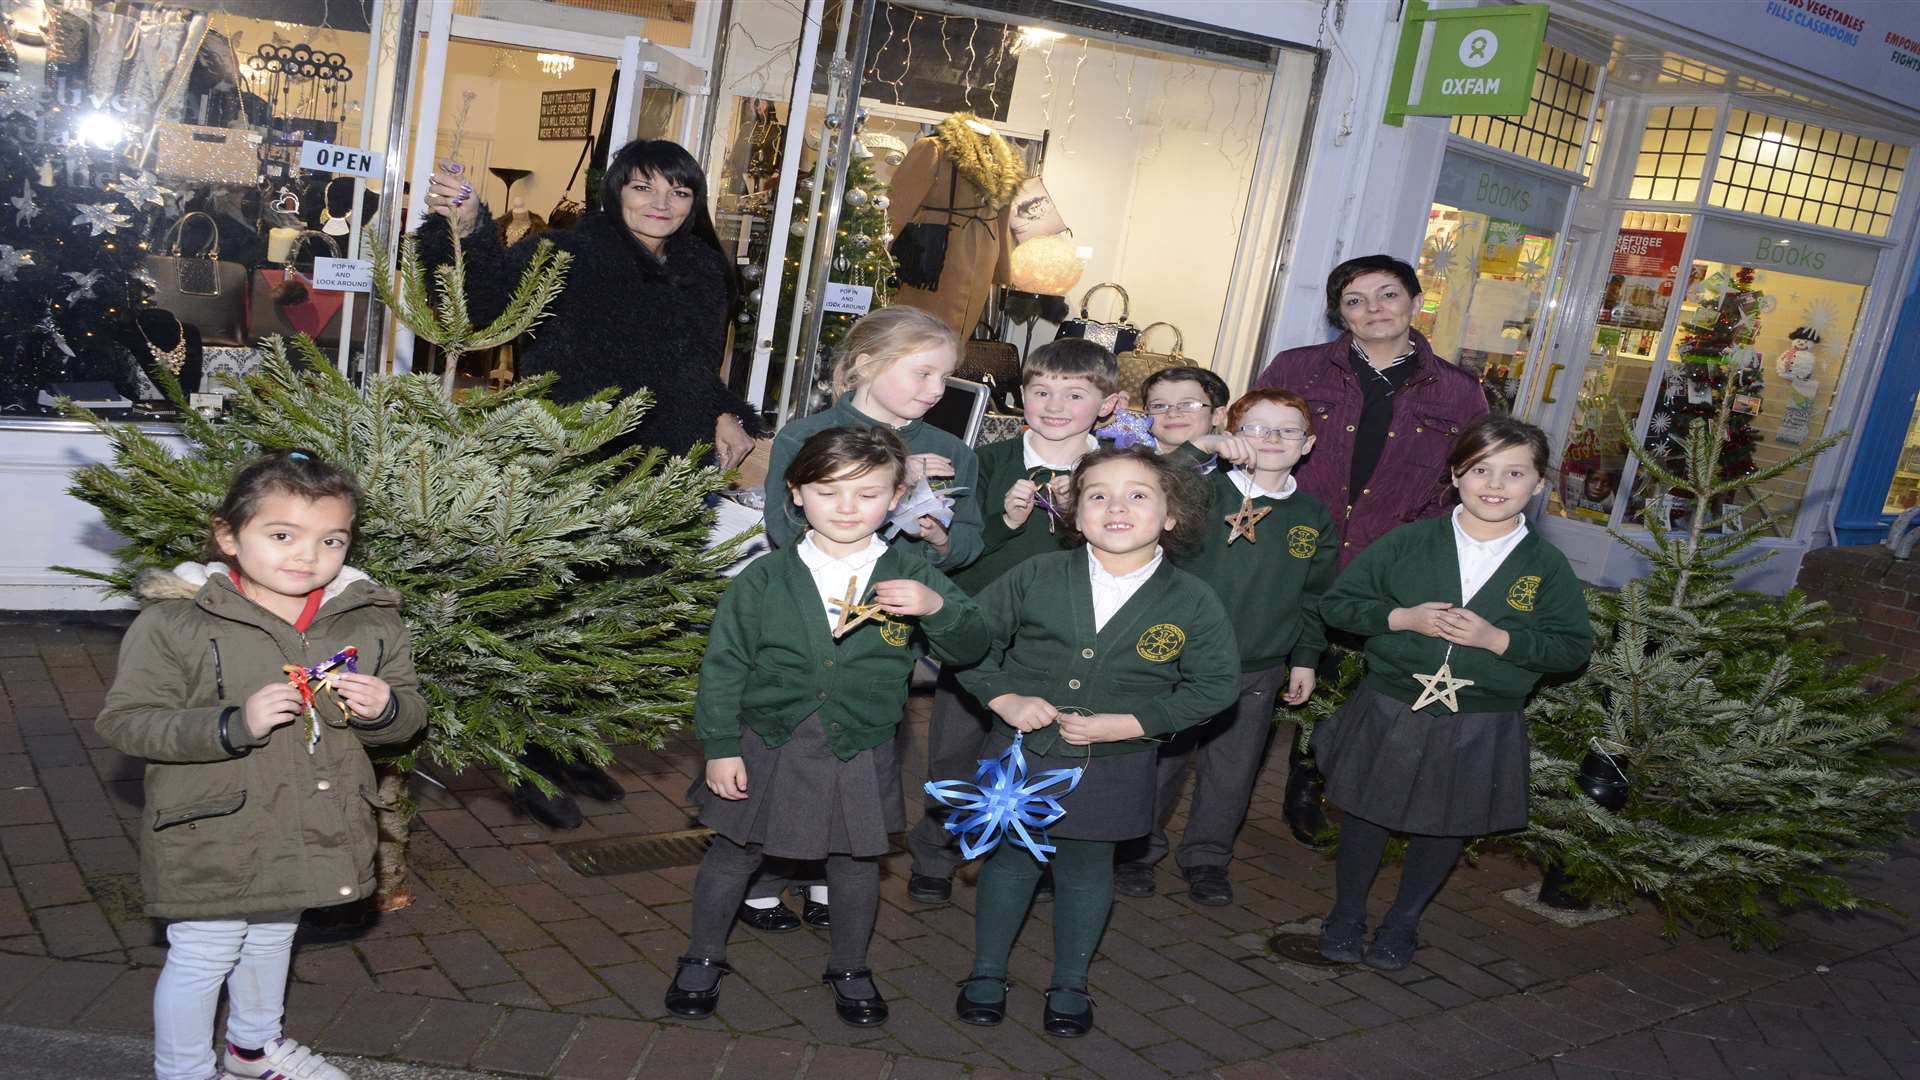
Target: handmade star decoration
x,y
1129,428
922,501
12,259
1441,686
852,614
1001,803
1042,479
322,674
101,218
1243,521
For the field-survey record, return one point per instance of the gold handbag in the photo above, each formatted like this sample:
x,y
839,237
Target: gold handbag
x,y
1136,365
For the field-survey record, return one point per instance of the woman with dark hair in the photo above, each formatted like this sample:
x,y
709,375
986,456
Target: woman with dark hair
x,y
646,301
646,304
1385,410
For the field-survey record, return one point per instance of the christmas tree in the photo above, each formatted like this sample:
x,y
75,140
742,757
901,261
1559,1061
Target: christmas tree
x,y
860,256
70,252
557,595
1746,769
1717,363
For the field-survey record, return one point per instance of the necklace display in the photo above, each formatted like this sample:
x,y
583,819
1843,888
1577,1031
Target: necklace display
x,y
1441,686
331,223
1243,521
172,359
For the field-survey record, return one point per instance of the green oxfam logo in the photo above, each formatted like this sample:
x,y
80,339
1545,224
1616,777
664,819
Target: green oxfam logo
x,y
1477,49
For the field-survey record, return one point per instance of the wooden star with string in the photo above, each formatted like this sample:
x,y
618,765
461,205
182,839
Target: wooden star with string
x,y
853,614
1441,686
1243,521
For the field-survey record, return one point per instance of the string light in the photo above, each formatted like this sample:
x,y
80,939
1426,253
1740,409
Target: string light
x,y
966,84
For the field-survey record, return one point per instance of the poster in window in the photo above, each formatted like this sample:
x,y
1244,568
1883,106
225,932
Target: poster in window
x,y
566,114
1640,281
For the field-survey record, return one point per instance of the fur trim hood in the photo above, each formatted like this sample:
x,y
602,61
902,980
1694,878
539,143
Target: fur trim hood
x,y
185,581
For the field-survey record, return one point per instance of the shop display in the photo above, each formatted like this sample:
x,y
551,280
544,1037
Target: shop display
x,y
197,287
282,300
1119,336
1798,367
973,221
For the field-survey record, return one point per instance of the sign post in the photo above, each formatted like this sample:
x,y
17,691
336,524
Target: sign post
x,y
1466,61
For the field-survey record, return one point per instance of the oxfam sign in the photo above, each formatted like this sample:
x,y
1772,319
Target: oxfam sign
x,y
1466,62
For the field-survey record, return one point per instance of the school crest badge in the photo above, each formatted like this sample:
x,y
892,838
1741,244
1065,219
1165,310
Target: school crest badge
x,y
1161,643
1301,540
895,633
1524,592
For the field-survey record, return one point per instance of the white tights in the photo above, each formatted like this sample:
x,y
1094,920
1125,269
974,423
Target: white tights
x,y
251,957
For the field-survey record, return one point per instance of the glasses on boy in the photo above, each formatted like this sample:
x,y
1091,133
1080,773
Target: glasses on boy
x,y
1161,408
1274,434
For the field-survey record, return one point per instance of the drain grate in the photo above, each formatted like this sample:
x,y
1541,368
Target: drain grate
x,y
629,854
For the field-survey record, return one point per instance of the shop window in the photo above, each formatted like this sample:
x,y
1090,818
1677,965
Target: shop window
x,y
1801,172
1491,235
1553,131
1904,494
1641,282
1768,321
1673,153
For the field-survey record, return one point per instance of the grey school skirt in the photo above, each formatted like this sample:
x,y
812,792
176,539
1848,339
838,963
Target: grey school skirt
x,y
1114,799
1459,774
804,803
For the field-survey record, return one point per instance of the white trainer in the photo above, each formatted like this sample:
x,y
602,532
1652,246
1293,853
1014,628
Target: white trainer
x,y
284,1060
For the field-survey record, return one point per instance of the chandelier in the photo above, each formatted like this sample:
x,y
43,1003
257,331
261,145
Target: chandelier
x,y
556,64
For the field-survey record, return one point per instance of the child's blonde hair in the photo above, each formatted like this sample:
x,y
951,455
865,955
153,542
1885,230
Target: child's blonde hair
x,y
882,337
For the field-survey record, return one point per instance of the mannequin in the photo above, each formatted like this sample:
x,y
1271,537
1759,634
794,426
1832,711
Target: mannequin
x,y
967,157
519,222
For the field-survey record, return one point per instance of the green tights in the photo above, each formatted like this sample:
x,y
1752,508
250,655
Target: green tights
x,y
1082,899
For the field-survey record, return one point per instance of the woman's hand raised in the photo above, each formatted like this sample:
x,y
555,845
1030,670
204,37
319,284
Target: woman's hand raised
x,y
450,194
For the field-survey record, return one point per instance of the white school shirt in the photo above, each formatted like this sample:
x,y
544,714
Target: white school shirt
x,y
1111,592
1243,480
1032,460
830,575
1480,558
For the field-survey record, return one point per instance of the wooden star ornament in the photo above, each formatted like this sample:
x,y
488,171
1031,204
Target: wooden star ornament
x,y
853,614
1441,686
1243,521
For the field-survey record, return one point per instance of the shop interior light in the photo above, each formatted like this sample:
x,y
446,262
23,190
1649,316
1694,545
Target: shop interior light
x,y
101,130
556,64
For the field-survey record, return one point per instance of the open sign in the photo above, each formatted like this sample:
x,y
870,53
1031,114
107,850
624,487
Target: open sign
x,y
326,157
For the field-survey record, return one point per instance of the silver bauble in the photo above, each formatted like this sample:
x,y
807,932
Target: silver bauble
x,y
857,197
798,228
881,202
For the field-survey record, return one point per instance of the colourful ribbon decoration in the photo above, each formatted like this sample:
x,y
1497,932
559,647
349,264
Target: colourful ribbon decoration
x,y
1002,802
1055,515
303,679
1129,428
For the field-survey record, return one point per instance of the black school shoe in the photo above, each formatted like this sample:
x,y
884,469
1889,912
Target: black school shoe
x,y
859,1012
1133,879
694,1004
1209,885
1342,942
818,916
1392,948
555,811
586,778
981,1013
927,889
1067,1025
778,919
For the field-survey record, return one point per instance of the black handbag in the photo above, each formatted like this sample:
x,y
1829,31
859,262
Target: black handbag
x,y
920,251
1118,337
201,289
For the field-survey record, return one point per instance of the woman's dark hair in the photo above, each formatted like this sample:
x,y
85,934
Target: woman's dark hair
x,y
1343,275
1188,500
297,472
1492,434
827,454
671,161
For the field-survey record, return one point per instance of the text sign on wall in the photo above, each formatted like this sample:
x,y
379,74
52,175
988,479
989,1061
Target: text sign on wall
x,y
1767,247
1466,61
1483,187
566,114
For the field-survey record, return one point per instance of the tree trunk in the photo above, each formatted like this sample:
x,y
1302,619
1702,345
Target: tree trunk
x,y
391,891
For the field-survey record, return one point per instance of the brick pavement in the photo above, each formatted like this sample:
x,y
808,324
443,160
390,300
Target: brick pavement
x,y
512,963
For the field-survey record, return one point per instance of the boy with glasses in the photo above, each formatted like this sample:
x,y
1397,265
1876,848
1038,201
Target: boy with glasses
x,y
1183,402
1269,552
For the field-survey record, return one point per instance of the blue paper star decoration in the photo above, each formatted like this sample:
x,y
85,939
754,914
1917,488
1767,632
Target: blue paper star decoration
x,y
1002,803
1129,428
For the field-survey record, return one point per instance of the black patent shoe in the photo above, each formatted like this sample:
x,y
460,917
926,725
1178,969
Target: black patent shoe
x,y
859,1012
778,919
1067,1025
555,811
981,1013
1302,805
1392,949
694,1004
818,916
927,889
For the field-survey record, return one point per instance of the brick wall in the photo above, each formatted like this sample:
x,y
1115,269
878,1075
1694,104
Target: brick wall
x,y
1879,593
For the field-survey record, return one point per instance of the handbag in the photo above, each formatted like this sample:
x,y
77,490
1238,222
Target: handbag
x,y
920,251
997,365
1138,363
200,289
207,155
1118,337
283,300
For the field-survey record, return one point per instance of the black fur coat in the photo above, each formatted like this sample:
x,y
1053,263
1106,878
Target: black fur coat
x,y
624,320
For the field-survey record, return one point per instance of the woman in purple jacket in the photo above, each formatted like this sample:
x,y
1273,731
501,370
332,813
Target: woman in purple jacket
x,y
1386,411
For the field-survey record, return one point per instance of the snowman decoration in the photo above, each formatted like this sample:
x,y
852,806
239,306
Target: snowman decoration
x,y
1796,363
